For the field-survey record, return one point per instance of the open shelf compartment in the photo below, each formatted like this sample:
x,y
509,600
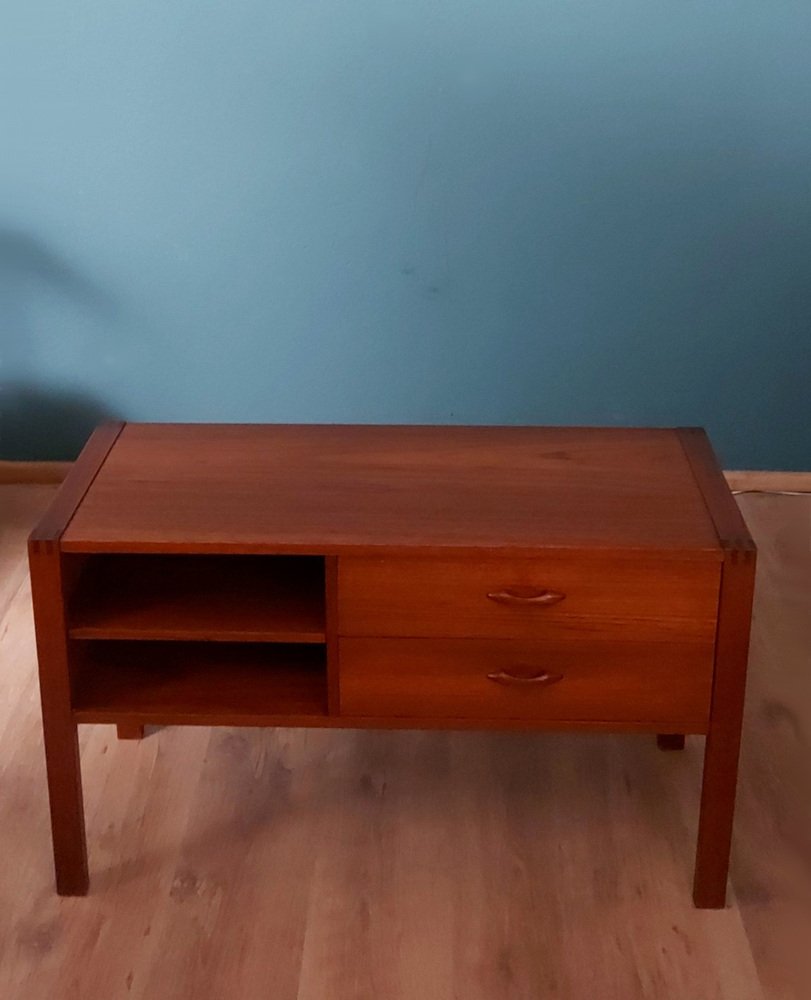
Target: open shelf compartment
x,y
204,683
220,598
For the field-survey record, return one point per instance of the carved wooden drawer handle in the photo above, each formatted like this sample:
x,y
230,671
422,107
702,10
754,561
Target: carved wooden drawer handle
x,y
541,677
525,596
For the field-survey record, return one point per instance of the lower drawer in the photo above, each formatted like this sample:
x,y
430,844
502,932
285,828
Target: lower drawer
x,y
666,684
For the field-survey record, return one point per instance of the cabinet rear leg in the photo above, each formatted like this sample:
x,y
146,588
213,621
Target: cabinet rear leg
x,y
130,731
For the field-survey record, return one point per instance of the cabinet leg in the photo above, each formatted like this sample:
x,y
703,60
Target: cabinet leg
x,y
67,811
54,577
49,586
670,741
724,733
130,731
715,823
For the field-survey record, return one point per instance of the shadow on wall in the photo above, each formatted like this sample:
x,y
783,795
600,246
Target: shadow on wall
x,y
46,424
38,418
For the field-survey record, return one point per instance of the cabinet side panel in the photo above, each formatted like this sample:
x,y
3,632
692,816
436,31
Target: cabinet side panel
x,y
331,618
726,516
56,518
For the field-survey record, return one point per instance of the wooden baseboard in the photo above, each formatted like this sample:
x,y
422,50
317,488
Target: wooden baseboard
x,y
756,480
769,482
33,472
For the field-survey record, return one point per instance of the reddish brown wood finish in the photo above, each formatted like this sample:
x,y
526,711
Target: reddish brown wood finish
x,y
729,684
51,587
605,596
216,598
670,741
335,489
599,680
730,527
129,731
200,684
47,535
724,736
321,720
507,578
59,728
333,669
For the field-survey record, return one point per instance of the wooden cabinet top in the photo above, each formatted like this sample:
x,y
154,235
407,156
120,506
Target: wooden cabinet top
x,y
327,489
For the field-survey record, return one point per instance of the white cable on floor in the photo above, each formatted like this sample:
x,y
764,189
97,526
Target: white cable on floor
x,y
776,493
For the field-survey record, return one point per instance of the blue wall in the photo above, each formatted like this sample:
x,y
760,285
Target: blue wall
x,y
540,211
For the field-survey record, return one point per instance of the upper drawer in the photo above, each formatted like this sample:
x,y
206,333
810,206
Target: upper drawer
x,y
554,595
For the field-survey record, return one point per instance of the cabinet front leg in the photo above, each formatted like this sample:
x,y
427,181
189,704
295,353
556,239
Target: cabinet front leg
x,y
67,810
724,734
60,732
53,579
715,823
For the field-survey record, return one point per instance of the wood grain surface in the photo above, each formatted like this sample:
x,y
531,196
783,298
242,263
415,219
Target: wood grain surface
x,y
647,581
53,581
330,489
493,679
51,525
402,865
755,480
599,597
718,790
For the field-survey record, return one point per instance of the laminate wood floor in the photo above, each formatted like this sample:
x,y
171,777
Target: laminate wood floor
x,y
318,865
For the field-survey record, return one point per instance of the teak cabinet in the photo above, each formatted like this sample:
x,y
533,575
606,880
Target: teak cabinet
x,y
401,577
